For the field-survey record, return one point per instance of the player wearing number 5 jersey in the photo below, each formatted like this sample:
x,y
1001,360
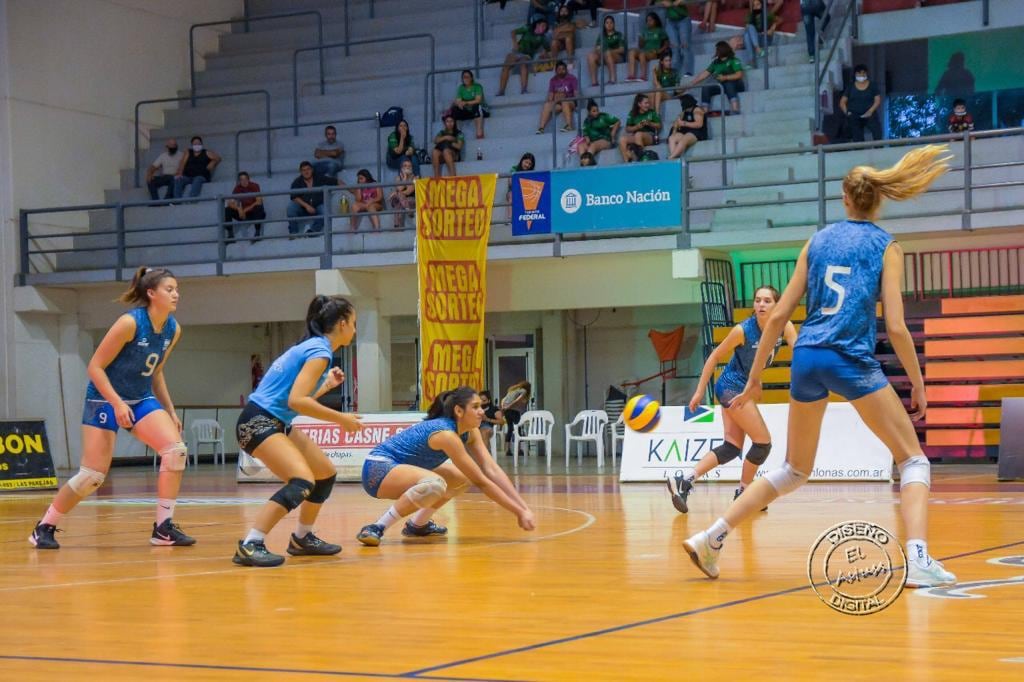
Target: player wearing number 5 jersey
x,y
127,390
843,269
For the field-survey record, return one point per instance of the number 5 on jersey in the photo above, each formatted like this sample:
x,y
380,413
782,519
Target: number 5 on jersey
x,y
830,272
153,359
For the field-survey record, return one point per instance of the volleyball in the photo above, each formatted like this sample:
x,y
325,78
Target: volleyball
x,y
642,413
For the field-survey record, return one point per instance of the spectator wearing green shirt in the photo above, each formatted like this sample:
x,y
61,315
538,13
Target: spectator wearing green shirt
x,y
599,131
642,127
528,42
756,38
448,146
651,44
680,34
727,70
610,48
401,147
666,81
469,103
527,163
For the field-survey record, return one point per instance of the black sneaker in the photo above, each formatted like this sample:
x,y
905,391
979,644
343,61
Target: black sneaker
x,y
371,534
255,553
42,536
680,492
739,491
411,530
310,545
168,534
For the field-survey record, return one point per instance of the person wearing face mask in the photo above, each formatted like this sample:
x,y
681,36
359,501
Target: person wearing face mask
x,y
195,168
161,173
960,121
859,104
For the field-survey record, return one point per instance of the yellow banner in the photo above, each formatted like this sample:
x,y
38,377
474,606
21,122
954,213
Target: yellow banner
x,y
453,225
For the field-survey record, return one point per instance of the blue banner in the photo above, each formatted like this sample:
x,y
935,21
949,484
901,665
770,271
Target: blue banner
x,y
531,203
637,195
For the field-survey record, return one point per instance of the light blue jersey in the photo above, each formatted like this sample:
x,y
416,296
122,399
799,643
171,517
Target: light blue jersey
x,y
411,446
742,359
273,390
844,279
131,372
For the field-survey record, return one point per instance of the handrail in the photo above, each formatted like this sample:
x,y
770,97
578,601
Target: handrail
x,y
268,129
821,69
321,46
246,19
240,93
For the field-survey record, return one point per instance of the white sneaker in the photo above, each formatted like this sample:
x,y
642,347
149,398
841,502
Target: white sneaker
x,y
702,554
932,575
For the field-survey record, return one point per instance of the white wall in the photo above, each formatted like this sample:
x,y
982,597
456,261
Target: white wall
x,y
887,27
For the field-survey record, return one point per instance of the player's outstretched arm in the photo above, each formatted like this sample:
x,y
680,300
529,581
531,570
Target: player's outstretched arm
x,y
450,444
728,345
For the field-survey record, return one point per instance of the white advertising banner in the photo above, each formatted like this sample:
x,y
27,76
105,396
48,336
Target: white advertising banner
x,y
847,450
346,450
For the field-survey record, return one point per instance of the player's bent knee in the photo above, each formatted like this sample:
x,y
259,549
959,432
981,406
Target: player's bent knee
x,y
322,488
758,453
785,479
174,457
916,469
294,493
428,491
86,481
726,452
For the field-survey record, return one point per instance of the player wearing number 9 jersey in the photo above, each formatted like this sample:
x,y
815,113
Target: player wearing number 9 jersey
x,y
127,390
844,269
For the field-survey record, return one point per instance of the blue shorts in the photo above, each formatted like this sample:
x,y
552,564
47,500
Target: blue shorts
x,y
375,469
100,413
727,388
816,371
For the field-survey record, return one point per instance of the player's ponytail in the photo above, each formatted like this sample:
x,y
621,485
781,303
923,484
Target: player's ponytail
x,y
865,186
444,405
144,280
324,313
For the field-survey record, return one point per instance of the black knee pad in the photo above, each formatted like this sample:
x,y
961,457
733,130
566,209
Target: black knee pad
x,y
758,453
293,494
322,489
726,452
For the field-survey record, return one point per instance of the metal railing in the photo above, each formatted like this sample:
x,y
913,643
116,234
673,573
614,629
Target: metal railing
x,y
970,272
193,97
246,20
268,129
321,46
821,69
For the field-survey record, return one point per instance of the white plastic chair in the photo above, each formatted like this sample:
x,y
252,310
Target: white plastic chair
x,y
591,423
207,432
618,429
535,426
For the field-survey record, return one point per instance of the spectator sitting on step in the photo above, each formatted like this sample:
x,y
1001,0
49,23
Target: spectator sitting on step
x,y
401,147
528,41
367,200
859,105
562,89
527,163
195,168
563,35
610,48
448,146
308,203
587,159
689,128
727,70
242,210
163,169
960,121
756,38
542,9
591,6
329,154
469,103
680,34
403,197
642,127
666,81
599,131
651,44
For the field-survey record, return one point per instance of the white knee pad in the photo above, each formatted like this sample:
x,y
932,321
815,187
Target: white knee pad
x,y
428,491
86,481
785,479
916,469
174,457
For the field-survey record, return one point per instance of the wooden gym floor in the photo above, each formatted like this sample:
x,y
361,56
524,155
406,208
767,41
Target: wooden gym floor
x,y
602,590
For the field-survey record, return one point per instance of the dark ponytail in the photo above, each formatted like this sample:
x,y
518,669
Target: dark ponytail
x,y
144,280
324,313
444,405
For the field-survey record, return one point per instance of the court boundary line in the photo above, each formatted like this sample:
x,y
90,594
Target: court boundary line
x,y
422,672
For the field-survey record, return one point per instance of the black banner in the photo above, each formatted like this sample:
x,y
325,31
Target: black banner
x,y
25,459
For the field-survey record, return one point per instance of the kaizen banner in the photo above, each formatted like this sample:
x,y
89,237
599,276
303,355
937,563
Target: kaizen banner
x,y
453,224
25,459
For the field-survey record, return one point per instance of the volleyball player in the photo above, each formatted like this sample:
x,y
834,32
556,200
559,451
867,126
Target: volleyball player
x,y
127,390
291,387
843,269
743,341
426,465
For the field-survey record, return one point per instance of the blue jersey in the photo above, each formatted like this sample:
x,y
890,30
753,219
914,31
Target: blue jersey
x,y
844,279
273,390
411,446
131,372
738,369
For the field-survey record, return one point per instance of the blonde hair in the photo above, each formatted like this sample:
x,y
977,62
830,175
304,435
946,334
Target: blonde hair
x,y
866,186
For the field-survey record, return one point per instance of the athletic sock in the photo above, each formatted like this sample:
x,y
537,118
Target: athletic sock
x,y
717,532
164,510
422,516
255,536
301,530
52,516
390,518
917,551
